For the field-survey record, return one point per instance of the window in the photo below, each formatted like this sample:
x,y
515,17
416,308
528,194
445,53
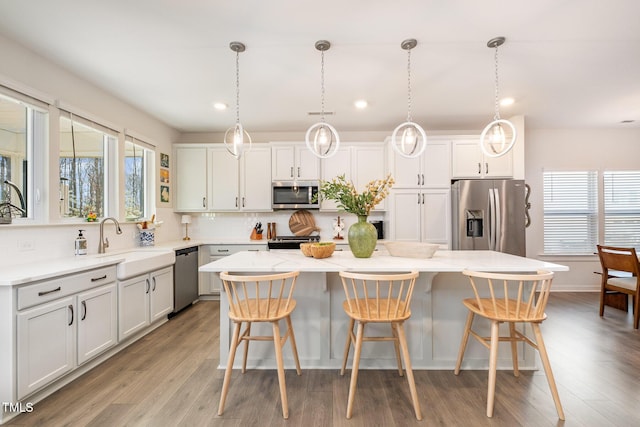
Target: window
x,y
622,208
23,125
570,212
139,175
84,148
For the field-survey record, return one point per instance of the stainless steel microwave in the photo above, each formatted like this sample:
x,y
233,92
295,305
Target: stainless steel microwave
x,y
295,195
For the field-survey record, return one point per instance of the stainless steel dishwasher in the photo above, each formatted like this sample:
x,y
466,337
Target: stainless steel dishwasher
x,y
185,278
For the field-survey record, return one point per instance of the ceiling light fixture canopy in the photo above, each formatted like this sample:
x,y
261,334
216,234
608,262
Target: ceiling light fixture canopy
x,y
409,139
498,137
235,137
321,138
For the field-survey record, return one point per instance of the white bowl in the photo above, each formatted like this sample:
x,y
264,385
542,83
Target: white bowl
x,y
411,249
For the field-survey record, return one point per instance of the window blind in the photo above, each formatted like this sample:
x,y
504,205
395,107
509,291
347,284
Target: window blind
x,y
570,212
622,208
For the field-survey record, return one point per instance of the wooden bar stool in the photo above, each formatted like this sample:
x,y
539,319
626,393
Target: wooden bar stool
x,y
263,298
378,298
509,298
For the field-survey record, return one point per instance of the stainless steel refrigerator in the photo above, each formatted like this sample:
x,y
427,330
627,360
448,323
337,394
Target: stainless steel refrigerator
x,y
489,214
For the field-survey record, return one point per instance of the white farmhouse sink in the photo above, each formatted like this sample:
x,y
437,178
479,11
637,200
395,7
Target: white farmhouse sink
x,y
142,261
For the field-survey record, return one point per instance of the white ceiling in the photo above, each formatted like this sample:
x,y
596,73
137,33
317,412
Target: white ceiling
x,y
567,63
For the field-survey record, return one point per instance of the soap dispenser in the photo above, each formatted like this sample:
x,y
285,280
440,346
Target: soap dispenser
x,y
81,244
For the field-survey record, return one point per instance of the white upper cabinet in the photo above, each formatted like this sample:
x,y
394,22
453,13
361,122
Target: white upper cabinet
x,y
293,161
359,163
191,179
421,216
430,170
240,185
470,162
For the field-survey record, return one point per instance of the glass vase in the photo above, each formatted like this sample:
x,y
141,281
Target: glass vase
x,y
363,237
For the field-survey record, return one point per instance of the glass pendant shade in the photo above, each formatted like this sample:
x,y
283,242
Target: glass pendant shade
x,y
499,136
321,138
236,138
409,139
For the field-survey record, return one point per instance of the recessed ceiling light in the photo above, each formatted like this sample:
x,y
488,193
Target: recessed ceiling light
x,y
506,102
361,104
220,106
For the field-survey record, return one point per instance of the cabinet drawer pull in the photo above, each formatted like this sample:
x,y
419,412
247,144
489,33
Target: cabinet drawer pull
x,y
71,310
95,279
223,250
49,292
84,310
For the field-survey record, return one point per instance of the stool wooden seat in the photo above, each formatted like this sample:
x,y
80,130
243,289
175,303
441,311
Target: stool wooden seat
x,y
260,298
379,298
509,298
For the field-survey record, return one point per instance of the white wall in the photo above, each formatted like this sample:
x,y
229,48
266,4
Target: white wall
x,y
23,69
571,149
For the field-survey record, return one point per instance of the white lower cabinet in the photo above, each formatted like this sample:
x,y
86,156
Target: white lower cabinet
x,y
55,337
144,299
421,216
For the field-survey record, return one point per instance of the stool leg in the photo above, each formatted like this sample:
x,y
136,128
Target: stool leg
x,y
493,362
347,346
407,363
463,344
544,357
514,348
396,344
354,368
294,347
227,372
283,386
246,348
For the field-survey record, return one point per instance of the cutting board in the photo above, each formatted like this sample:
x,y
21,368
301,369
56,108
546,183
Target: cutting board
x,y
302,223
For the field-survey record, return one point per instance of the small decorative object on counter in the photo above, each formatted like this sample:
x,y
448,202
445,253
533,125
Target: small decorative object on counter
x,y
362,235
256,232
81,244
338,229
186,220
147,233
92,217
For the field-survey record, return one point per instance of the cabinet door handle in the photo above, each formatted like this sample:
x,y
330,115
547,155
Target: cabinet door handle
x,y
486,168
298,171
236,202
84,310
204,202
48,292
95,279
291,171
154,285
418,198
71,310
422,179
418,179
479,168
423,198
148,286
243,202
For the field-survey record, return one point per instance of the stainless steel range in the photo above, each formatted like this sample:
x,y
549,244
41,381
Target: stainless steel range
x,y
290,242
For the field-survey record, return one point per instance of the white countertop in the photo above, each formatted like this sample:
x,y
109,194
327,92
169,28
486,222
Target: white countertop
x,y
380,261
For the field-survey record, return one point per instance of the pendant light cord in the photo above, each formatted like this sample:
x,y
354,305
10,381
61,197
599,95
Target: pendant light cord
x,y
408,85
322,85
497,103
237,87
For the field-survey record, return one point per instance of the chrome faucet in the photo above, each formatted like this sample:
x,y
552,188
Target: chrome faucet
x,y
104,242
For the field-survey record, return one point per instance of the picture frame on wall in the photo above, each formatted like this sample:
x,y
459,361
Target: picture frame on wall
x,y
164,175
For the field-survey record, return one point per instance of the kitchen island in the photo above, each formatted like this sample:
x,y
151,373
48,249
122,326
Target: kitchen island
x,y
320,324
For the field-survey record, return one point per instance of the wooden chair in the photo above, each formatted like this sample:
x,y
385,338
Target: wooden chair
x,y
509,298
378,298
613,261
264,298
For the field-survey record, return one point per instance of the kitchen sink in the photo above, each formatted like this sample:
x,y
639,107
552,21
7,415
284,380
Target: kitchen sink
x,y
141,261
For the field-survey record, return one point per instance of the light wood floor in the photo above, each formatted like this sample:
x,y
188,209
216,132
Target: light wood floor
x,y
169,378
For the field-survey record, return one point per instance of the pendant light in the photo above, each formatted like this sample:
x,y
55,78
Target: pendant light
x,y
236,137
322,139
409,139
498,137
